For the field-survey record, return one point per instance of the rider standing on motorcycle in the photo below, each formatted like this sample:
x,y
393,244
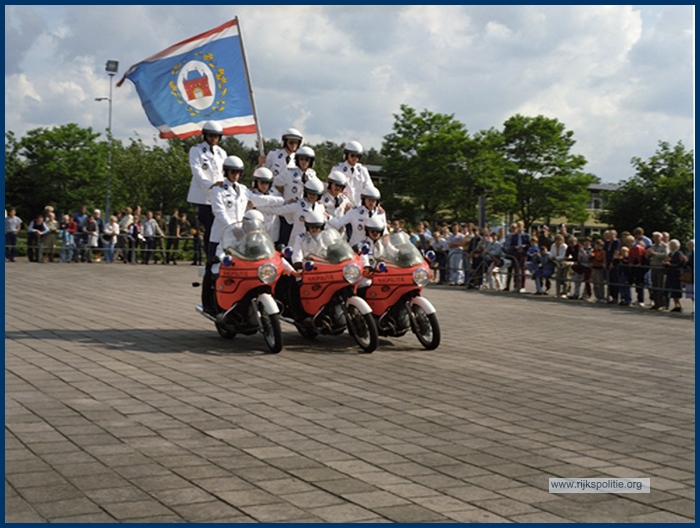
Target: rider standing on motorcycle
x,y
262,184
355,219
356,173
229,202
206,162
279,159
334,199
290,182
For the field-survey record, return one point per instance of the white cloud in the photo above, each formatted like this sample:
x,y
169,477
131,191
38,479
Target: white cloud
x,y
620,77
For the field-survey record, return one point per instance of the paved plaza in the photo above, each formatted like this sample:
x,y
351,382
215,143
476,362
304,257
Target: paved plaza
x,y
122,404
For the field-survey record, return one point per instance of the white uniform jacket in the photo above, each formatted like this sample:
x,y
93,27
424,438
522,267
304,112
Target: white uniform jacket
x,y
277,161
272,221
296,211
229,203
207,169
358,178
354,222
305,245
292,181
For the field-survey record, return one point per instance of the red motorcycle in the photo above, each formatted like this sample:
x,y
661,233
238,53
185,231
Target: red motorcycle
x,y
395,293
247,276
325,302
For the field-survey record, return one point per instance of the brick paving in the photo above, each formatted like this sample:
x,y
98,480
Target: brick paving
x,y
122,404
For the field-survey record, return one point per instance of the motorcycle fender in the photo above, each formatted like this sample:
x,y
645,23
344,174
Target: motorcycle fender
x,y
424,303
360,304
269,303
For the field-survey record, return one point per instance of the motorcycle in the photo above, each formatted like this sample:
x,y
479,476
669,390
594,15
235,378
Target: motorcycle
x,y
395,293
247,276
325,302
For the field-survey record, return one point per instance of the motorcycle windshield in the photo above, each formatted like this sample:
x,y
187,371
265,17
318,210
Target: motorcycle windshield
x,y
250,242
335,247
406,254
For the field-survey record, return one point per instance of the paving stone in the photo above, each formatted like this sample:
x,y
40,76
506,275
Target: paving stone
x,y
411,513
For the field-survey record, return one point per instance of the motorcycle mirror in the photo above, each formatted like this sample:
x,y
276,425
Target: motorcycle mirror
x,y
308,265
287,251
430,255
365,249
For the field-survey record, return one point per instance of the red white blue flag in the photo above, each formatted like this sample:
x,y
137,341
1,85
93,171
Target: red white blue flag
x,y
197,80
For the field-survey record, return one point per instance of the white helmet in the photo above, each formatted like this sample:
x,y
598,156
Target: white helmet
x,y
291,133
371,192
314,219
234,163
252,215
212,127
338,178
305,151
376,223
313,186
352,147
263,174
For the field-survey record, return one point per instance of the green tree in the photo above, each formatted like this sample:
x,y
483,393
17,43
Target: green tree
x,y
64,166
659,197
425,162
546,179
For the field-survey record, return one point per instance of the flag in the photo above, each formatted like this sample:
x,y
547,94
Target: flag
x,y
197,80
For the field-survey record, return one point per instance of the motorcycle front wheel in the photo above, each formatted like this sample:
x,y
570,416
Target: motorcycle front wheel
x,y
362,328
426,328
271,329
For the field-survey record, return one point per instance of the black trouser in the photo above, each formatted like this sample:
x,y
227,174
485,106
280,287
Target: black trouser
x,y
206,218
285,232
208,282
171,249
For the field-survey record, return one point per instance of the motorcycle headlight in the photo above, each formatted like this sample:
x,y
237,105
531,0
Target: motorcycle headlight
x,y
351,273
421,277
267,273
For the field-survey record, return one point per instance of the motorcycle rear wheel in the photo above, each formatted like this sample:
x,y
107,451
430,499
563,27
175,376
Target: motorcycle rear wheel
x,y
363,329
271,330
426,328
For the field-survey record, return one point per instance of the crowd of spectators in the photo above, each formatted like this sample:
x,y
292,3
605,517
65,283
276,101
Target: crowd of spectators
x,y
605,269
128,236
608,269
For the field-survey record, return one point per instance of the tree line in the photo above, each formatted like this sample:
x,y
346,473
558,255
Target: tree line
x,y
432,169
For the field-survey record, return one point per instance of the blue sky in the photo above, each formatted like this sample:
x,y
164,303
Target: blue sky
x,y
620,77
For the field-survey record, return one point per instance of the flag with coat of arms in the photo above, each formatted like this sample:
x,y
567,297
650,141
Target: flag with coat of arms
x,y
203,78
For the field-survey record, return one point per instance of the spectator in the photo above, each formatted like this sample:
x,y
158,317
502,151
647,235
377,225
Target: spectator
x,y
473,266
656,254
674,263
640,238
690,269
558,256
159,249
109,236
174,236
80,237
97,216
135,239
92,233
612,263
50,239
186,231
637,267
150,230
425,239
582,269
441,249
544,269
598,270
67,232
493,250
455,265
623,275
37,229
544,239
123,238
13,225
519,244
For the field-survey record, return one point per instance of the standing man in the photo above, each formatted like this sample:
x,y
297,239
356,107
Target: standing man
x,y
357,175
207,164
279,159
519,244
13,224
173,240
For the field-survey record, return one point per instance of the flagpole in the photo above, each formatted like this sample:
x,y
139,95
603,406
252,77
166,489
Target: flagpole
x,y
261,147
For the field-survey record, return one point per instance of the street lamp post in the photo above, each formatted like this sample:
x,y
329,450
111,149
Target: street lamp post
x,y
111,68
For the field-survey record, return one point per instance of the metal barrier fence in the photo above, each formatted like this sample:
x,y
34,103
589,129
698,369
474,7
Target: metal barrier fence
x,y
623,282
126,249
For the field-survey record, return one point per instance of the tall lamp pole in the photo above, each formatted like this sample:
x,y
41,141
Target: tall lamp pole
x,y
111,68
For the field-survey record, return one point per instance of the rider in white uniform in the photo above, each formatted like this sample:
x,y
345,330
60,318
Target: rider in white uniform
x,y
279,159
356,173
354,220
